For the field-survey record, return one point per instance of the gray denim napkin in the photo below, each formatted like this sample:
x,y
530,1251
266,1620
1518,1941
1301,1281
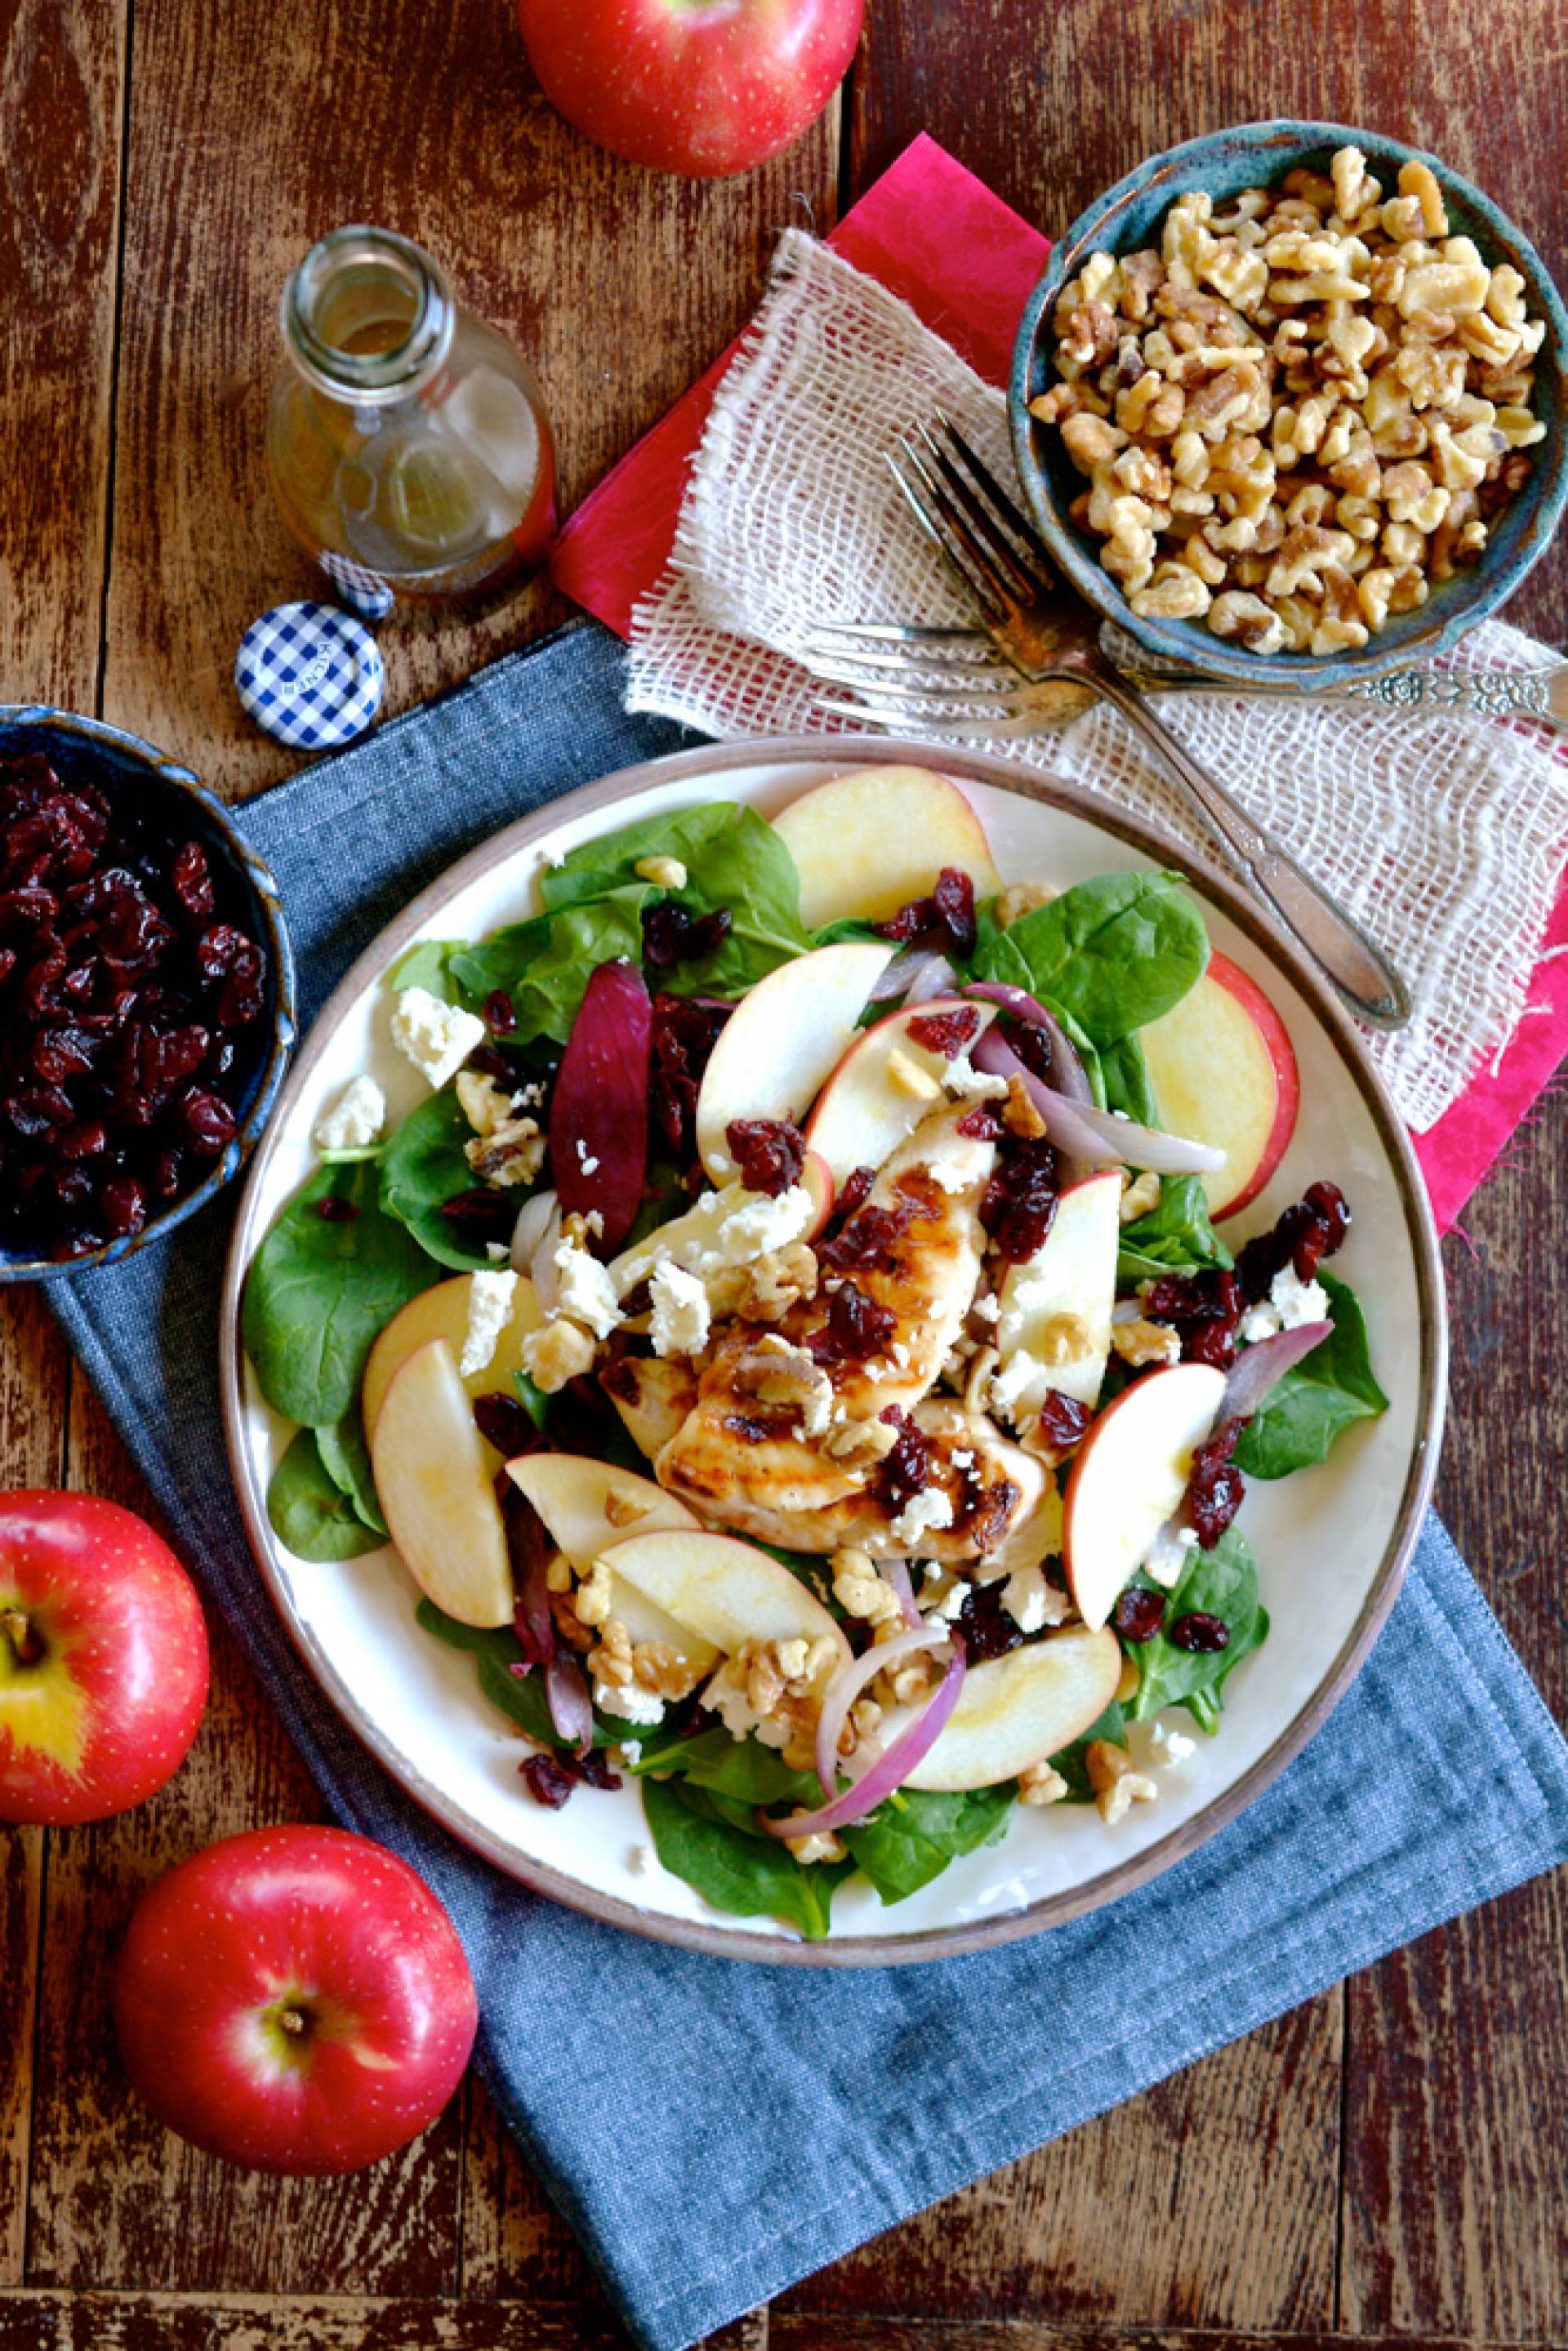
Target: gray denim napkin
x,y
779,2116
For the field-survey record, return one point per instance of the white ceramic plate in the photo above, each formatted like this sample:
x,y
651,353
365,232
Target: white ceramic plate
x,y
1332,1542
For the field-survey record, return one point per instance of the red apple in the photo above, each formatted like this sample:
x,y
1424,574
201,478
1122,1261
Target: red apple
x,y
1224,1071
103,1658
701,86
294,2000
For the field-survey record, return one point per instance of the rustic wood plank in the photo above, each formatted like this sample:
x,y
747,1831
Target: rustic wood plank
x,y
515,2242
1252,2130
106,2177
1456,2149
1051,105
379,109
33,1377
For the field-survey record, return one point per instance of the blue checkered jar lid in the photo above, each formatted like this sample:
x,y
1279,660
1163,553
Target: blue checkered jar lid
x,y
310,676
357,586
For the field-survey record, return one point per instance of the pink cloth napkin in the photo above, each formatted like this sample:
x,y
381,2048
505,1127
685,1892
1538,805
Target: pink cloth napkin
x,y
965,263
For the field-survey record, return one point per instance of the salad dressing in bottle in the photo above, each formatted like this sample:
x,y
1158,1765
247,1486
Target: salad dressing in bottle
x,y
408,444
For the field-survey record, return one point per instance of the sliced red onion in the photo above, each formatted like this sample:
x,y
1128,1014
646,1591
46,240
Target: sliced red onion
x,y
543,1270
1097,1137
1259,1366
533,1222
901,974
1072,1077
570,1708
847,1685
896,1572
892,1768
938,979
566,1692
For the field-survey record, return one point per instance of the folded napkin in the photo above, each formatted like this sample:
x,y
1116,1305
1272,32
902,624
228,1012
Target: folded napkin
x,y
714,2130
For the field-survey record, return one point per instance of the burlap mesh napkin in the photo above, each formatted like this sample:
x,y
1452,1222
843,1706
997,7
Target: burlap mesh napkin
x,y
1444,835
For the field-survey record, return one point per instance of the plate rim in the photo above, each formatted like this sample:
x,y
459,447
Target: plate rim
x,y
1147,839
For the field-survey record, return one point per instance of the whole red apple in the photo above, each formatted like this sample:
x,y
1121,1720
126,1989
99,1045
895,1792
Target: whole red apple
x,y
103,1658
702,86
294,2000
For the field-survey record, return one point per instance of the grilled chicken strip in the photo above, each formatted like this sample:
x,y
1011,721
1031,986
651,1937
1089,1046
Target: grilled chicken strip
x,y
755,1458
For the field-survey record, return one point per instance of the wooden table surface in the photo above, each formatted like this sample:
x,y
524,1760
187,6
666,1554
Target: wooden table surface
x,y
1385,2165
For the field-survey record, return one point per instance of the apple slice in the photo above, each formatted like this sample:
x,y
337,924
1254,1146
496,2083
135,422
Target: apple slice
x,y
587,1505
1020,1708
441,1312
434,1487
653,1399
722,1589
781,1041
1074,1272
872,1102
1224,1071
1130,1476
871,840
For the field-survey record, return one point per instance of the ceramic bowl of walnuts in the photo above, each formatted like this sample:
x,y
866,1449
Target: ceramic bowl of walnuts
x,y
1289,405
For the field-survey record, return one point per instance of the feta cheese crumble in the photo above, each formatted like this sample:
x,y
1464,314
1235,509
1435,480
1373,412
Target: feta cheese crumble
x,y
961,1077
731,1227
490,1297
1025,1598
436,1037
1165,1559
1171,1747
585,1158
640,1859
356,1118
630,1701
1017,1380
1290,1303
682,1317
931,1509
587,1294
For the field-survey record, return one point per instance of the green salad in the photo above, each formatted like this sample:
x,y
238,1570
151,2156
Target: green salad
x,y
810,1344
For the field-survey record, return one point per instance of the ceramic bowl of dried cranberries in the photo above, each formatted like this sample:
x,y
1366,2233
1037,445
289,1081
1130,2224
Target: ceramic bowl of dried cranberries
x,y
146,994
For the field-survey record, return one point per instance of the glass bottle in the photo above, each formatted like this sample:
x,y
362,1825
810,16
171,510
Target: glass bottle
x,y
408,444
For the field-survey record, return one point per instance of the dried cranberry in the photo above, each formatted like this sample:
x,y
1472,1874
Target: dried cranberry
x,y
169,1171
1216,1488
1140,1613
332,1208
204,1123
242,996
481,1216
981,1124
191,880
85,1138
217,949
1031,1043
1305,1234
503,1423
911,922
954,899
1204,1635
548,1782
594,1769
671,934
122,1202
854,1192
868,1239
499,1012
944,1033
1207,1296
1063,1420
907,1470
682,1038
1019,1207
489,1061
986,1627
856,1327
27,910
770,1153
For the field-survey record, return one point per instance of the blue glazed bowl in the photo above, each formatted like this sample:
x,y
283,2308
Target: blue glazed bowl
x,y
123,765
1222,163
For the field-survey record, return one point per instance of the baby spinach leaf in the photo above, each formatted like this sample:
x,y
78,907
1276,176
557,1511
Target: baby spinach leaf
x,y
1115,952
421,1166
545,963
915,1833
1326,1393
1179,1237
740,1769
747,1876
310,1512
1220,1583
1072,1761
428,965
321,1292
852,929
346,1457
1125,1076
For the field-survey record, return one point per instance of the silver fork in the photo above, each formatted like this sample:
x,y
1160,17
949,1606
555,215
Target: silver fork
x,y
1050,638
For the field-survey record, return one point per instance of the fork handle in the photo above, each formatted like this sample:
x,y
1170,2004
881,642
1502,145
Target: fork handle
x,y
1362,976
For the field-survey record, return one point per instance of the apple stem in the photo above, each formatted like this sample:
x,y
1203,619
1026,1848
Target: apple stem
x,y
291,2021
25,1643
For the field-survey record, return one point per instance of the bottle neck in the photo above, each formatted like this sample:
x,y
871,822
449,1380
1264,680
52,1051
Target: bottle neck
x,y
367,315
